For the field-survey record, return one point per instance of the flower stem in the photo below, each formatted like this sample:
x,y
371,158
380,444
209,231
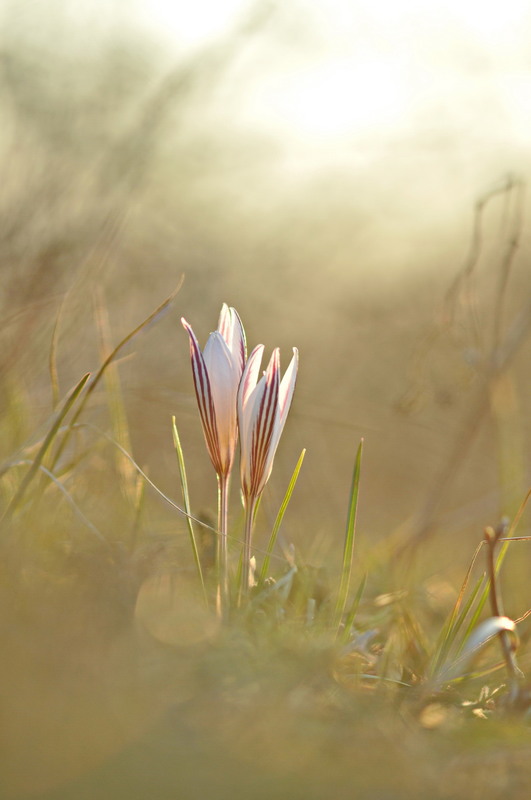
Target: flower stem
x,y
222,601
250,508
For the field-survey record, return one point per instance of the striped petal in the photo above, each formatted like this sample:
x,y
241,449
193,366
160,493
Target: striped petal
x,y
247,396
217,373
265,410
233,397
285,396
262,411
205,400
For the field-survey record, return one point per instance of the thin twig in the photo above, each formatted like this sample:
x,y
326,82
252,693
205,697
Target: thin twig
x,y
514,672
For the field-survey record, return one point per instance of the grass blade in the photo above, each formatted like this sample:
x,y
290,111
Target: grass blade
x,y
52,360
280,516
499,561
518,515
153,317
345,633
59,417
348,551
140,471
453,627
186,500
486,590
480,636
140,494
450,628
78,512
115,402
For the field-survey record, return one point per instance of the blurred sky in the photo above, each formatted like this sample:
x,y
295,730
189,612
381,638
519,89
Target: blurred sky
x,y
433,99
418,107
358,69
323,71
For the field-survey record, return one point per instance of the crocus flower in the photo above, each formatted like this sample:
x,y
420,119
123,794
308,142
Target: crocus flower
x,y
217,372
263,408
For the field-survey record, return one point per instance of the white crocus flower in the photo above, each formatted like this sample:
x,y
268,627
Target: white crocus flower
x,y
263,408
217,372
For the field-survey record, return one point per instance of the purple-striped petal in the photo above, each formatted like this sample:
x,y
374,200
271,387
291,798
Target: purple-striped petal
x,y
217,373
265,412
205,400
262,411
285,396
249,395
232,397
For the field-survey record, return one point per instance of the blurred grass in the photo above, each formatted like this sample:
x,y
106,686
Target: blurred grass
x,y
114,679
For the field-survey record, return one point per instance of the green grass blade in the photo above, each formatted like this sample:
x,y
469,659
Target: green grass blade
x,y
59,417
50,436
448,631
280,516
186,500
72,503
510,534
485,595
343,638
201,522
499,561
481,635
140,471
153,317
115,402
52,360
348,552
456,623
384,679
474,619
518,515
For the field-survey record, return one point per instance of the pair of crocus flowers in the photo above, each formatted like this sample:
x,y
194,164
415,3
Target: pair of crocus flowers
x,y
232,398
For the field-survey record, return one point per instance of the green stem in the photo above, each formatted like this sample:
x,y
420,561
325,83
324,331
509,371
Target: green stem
x,y
187,508
221,549
250,508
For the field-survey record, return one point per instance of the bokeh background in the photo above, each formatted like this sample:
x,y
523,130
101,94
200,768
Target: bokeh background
x,y
351,176
316,165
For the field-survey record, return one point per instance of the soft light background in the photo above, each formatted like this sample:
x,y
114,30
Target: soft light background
x,y
314,163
